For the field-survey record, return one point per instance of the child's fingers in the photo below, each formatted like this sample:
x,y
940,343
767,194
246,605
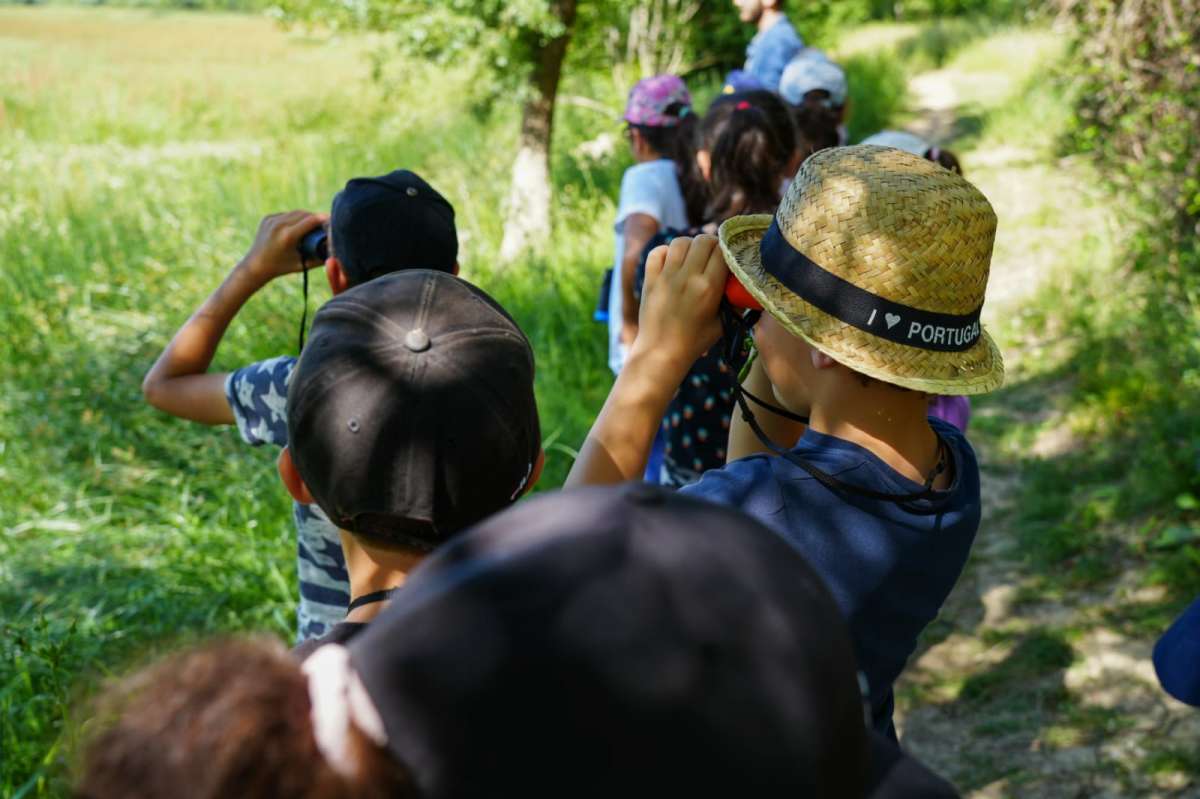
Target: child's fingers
x,y
676,254
716,262
654,265
698,254
300,223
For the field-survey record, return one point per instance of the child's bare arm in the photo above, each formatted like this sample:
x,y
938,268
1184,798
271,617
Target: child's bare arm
x,y
179,382
677,324
781,430
639,229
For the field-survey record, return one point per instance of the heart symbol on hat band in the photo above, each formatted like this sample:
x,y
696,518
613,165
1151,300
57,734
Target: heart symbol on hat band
x,y
891,320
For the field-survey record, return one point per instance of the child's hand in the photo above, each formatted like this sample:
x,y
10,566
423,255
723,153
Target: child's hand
x,y
274,250
684,285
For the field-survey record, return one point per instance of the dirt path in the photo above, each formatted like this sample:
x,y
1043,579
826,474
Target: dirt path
x,y
1024,688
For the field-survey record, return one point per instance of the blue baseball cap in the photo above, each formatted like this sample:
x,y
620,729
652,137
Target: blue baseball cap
x,y
1177,657
813,71
739,80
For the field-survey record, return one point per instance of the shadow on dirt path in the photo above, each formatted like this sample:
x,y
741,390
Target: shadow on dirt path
x,y
1025,687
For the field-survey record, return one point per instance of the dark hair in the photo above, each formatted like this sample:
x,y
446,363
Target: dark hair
x,y
777,111
230,718
816,127
748,159
678,143
944,158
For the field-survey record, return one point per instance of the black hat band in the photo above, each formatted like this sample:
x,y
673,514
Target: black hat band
x,y
841,299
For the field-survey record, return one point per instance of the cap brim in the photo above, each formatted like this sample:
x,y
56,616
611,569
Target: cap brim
x,y
974,371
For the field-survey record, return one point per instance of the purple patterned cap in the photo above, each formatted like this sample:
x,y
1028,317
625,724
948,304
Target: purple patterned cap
x,y
650,98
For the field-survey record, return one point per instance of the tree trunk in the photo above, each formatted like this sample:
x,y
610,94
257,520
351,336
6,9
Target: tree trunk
x,y
527,225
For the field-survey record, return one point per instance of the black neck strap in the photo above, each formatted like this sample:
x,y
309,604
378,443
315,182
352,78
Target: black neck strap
x,y
841,299
928,493
367,599
304,312
772,407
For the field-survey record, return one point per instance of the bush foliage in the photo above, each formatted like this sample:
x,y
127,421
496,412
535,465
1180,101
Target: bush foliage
x,y
1137,84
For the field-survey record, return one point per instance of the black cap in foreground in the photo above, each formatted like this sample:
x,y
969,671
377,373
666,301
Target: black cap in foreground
x,y
392,222
411,414
614,641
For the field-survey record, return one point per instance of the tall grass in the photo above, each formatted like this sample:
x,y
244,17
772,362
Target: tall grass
x,y
139,151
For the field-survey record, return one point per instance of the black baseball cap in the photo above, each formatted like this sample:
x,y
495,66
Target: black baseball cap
x,y
617,640
392,222
411,413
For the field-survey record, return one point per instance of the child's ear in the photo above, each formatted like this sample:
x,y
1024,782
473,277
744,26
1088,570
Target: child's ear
x,y
336,275
704,162
536,473
291,478
454,271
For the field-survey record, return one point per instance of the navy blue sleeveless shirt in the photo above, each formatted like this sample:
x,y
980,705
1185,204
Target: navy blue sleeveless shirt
x,y
890,567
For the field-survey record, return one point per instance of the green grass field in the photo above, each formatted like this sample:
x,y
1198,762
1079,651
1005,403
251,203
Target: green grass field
x,y
139,150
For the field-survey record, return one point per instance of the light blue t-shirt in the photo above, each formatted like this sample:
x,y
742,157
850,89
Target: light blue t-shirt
x,y
889,566
771,50
651,188
258,396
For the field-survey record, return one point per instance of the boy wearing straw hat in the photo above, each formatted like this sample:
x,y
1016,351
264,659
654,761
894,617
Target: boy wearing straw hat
x,y
871,278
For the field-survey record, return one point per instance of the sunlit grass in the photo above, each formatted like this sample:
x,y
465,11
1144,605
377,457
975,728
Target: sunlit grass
x,y
140,149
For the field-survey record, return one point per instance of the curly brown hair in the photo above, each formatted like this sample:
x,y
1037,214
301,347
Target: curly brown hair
x,y
230,718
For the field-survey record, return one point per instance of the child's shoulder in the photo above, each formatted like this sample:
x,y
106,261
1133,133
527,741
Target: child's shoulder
x,y
648,171
734,481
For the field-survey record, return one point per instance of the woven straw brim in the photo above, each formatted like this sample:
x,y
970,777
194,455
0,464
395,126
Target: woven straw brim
x,y
974,371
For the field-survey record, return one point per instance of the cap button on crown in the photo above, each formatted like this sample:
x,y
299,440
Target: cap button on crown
x,y
416,340
411,191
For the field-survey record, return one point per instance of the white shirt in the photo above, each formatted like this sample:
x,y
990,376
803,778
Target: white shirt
x,y
651,188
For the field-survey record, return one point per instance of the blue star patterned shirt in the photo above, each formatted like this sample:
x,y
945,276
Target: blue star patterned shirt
x,y
258,396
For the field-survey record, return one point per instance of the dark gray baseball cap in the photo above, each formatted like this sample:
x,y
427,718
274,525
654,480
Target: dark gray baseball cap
x,y
612,641
411,413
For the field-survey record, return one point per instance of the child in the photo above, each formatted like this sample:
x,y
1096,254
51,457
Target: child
x,y
778,114
662,190
912,143
817,90
377,225
571,645
773,46
872,276
745,161
411,416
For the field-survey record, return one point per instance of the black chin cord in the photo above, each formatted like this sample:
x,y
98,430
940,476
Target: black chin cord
x,y
829,481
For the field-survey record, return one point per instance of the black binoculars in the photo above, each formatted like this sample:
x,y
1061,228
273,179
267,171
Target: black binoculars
x,y
314,246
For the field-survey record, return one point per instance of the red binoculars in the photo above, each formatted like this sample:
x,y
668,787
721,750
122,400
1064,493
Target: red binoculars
x,y
738,297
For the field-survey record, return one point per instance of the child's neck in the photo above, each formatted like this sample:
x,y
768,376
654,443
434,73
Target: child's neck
x,y
891,424
373,569
768,17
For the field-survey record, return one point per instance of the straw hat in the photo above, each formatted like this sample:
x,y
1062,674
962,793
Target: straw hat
x,y
879,259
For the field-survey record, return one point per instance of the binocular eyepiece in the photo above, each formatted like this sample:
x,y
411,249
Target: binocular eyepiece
x,y
314,247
